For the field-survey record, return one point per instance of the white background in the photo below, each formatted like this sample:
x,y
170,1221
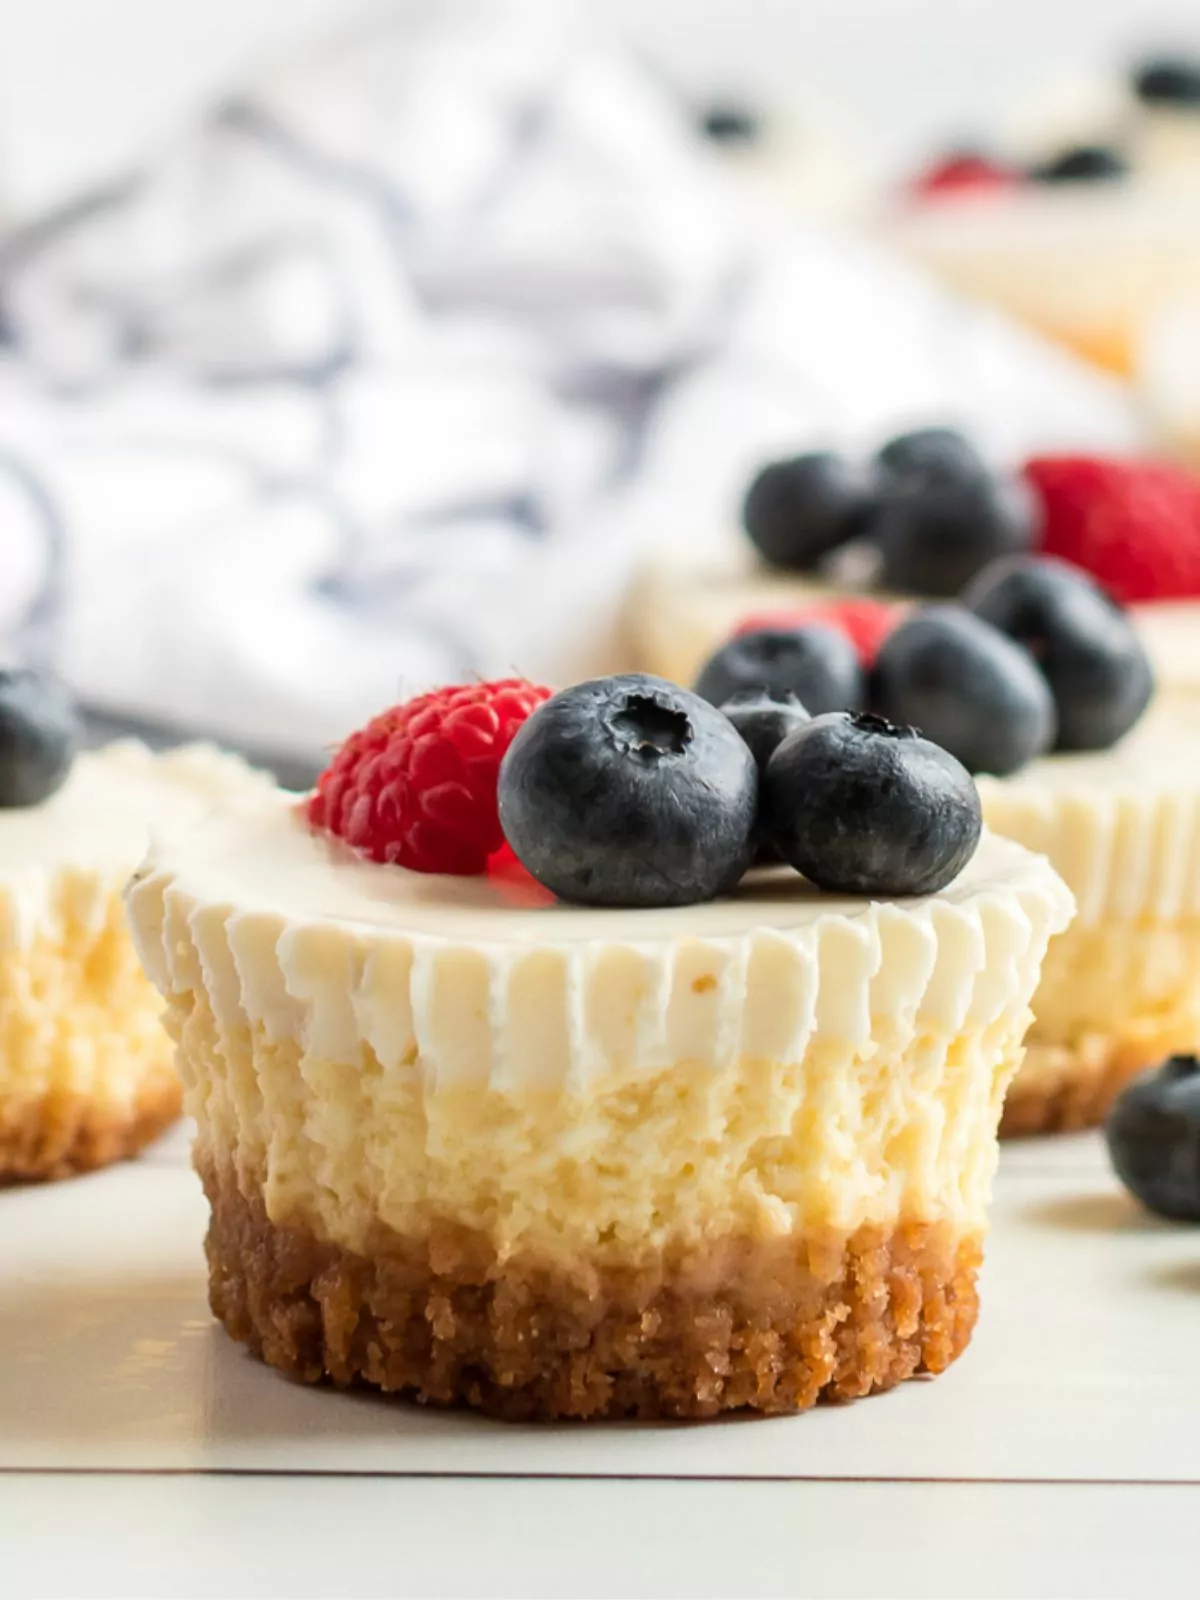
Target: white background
x,y
85,85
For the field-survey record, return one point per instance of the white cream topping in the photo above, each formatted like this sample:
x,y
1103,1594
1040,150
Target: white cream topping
x,y
487,981
79,846
1122,826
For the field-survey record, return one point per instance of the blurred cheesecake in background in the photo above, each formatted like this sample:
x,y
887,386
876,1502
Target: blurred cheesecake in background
x,y
1083,220
917,522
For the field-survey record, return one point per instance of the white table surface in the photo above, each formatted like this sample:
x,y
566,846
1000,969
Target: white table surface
x,y
142,1453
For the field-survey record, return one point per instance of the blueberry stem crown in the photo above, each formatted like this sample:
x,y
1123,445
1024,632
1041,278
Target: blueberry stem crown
x,y
644,727
871,722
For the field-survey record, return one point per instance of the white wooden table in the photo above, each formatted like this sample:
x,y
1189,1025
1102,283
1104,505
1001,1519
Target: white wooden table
x,y
142,1453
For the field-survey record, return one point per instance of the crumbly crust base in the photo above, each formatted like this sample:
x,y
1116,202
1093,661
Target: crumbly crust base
x,y
1061,1089
750,1326
63,1134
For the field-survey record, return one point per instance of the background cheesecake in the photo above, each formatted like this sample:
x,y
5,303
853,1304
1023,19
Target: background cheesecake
x,y
86,1076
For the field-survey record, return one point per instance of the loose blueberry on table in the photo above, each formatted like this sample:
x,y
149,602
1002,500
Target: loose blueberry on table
x,y
39,735
1153,1135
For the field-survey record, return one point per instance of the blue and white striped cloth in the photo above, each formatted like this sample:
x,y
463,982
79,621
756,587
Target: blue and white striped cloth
x,y
390,370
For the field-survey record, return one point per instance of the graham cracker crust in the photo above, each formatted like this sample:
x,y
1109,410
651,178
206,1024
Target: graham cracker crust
x,y
62,1135
1072,1089
766,1328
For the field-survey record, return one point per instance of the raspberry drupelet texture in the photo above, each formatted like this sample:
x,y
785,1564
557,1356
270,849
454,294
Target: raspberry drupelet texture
x,y
1134,525
416,787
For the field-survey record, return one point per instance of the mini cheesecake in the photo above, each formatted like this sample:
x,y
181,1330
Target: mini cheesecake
x,y
467,1143
85,1072
1119,988
677,614
1096,231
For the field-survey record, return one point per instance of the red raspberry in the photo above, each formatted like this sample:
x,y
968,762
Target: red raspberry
x,y
866,623
417,786
964,174
1134,525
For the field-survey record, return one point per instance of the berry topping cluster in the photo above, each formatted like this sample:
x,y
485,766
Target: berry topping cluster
x,y
933,514
1033,656
632,791
928,505
1156,85
39,735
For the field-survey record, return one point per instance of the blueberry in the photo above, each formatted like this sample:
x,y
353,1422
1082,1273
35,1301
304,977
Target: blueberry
x,y
727,123
39,734
1153,1134
863,807
1086,646
934,534
630,791
1168,81
764,720
816,663
798,510
942,453
1083,163
967,687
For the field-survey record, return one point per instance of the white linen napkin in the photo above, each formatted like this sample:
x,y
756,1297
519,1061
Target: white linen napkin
x,y
392,369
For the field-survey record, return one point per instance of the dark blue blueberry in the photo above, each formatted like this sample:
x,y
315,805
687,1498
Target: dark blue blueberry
x,y
968,687
630,791
798,510
863,807
1153,1134
934,533
941,453
1084,643
815,663
39,734
1083,163
1168,81
764,720
727,123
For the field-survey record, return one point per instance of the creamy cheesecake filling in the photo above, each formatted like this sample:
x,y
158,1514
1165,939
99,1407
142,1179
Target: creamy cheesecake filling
x,y
372,1045
463,1142
86,1073
1118,990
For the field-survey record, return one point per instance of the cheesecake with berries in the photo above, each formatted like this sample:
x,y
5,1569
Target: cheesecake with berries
x,y
86,1076
1118,991
1078,715
519,1087
1084,222
918,521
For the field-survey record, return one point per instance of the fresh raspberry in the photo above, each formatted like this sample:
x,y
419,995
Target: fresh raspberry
x,y
866,623
964,174
1133,524
417,786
